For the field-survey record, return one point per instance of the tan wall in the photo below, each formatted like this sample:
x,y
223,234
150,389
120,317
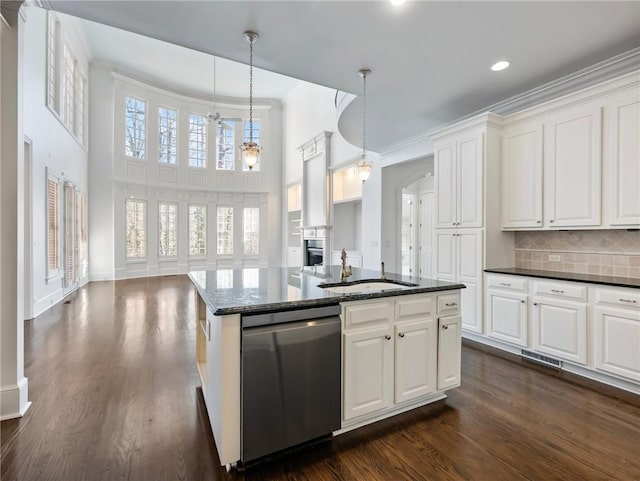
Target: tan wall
x,y
606,252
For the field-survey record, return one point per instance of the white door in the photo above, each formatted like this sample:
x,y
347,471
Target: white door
x,y
507,316
470,182
622,161
560,329
446,255
522,177
408,236
445,181
618,342
572,168
416,357
449,352
427,251
368,371
469,255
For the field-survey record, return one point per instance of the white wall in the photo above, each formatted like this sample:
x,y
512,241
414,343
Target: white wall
x,y
53,147
115,177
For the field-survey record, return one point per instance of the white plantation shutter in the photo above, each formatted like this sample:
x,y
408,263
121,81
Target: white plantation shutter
x,y
69,250
82,227
53,261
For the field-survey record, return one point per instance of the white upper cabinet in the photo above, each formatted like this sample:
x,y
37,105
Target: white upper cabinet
x,y
622,159
445,176
572,167
522,177
459,182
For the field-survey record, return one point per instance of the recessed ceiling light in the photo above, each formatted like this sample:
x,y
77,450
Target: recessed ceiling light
x,y
397,3
501,65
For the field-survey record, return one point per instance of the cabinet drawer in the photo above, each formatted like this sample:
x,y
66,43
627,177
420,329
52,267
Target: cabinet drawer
x,y
625,299
511,283
565,291
412,306
449,304
367,314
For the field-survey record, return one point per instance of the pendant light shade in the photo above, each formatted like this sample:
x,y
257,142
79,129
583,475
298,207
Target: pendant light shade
x,y
250,150
364,167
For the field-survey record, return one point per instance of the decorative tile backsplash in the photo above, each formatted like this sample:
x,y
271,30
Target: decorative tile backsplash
x,y
604,252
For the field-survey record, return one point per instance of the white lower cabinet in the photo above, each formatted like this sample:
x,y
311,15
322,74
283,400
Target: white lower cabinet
x,y
415,359
449,351
560,329
507,316
368,371
618,342
396,351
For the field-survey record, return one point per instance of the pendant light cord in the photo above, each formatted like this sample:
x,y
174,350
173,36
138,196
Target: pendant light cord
x,y
251,90
364,115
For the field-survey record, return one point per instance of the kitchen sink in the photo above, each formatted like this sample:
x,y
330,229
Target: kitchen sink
x,y
364,287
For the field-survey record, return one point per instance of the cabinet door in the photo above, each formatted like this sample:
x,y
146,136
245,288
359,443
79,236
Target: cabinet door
x,y
416,357
469,262
446,255
572,168
470,200
507,316
471,307
449,352
560,329
623,161
522,177
368,371
618,342
294,258
445,175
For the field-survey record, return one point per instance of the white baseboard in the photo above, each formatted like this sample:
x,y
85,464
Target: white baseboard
x,y
14,400
47,302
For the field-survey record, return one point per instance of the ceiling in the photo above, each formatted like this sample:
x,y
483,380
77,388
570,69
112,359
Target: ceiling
x,y
430,60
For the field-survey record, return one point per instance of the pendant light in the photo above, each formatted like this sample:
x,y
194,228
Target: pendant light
x,y
364,167
250,150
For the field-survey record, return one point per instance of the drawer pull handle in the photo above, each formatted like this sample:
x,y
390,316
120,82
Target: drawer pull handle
x,y
452,304
559,291
401,334
627,300
523,301
535,303
387,337
505,284
444,326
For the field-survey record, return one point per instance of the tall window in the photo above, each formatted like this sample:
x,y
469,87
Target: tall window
x,y
167,229
197,141
225,230
167,135
52,62
224,278
68,88
53,228
136,229
256,138
197,230
135,127
226,148
251,231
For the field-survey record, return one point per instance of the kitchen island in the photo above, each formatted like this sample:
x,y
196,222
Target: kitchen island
x,y
384,344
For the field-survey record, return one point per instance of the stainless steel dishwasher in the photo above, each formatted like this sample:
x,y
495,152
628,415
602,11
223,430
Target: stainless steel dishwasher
x,y
290,387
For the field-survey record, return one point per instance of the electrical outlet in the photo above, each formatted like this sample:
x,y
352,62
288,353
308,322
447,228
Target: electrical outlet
x,y
555,258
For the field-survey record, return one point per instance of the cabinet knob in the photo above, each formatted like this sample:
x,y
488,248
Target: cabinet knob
x,y
535,303
387,337
538,222
522,301
444,326
550,221
453,223
401,334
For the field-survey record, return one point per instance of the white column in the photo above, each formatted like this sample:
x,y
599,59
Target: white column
x,y
13,384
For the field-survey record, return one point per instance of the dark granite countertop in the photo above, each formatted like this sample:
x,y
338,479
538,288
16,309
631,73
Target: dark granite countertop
x,y
631,282
270,289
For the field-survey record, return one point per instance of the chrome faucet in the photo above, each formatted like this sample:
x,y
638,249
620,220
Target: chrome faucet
x,y
344,273
382,276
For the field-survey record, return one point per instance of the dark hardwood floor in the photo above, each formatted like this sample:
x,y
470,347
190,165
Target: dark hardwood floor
x,y
114,388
